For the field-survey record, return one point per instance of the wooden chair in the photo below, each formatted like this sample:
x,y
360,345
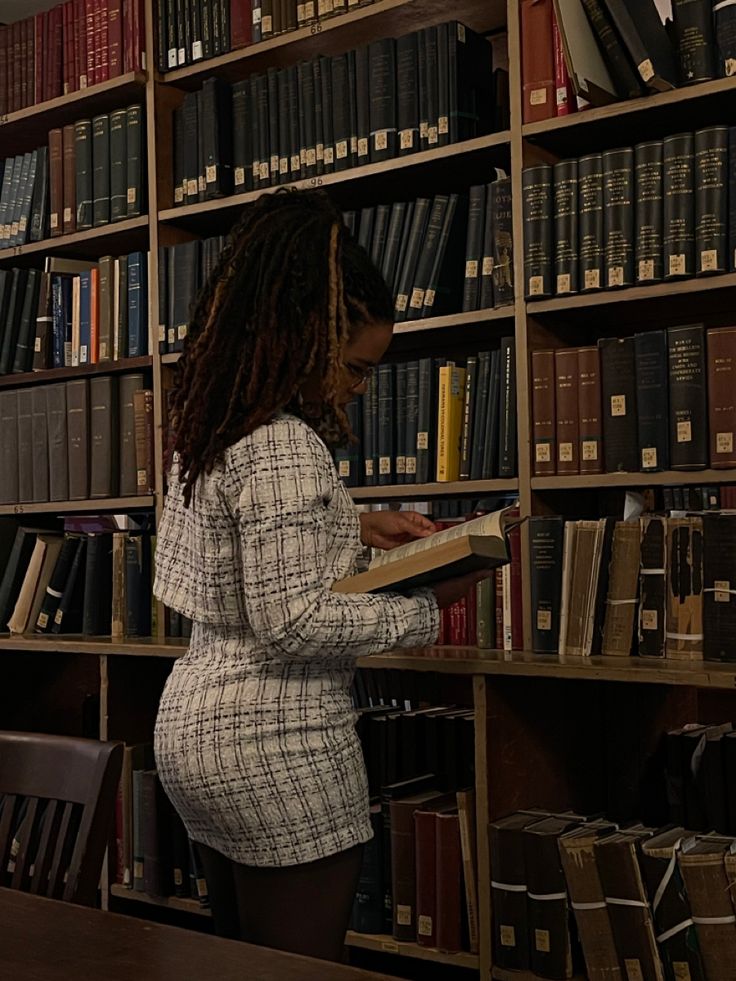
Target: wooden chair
x,y
57,801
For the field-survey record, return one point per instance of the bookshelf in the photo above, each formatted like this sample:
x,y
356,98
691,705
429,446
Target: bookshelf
x,y
525,703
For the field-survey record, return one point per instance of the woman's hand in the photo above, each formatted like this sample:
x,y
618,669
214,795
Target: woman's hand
x,y
388,529
452,590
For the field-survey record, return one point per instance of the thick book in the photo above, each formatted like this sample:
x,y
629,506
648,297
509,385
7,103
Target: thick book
x,y
100,170
623,72
144,448
679,205
15,570
104,452
13,317
646,39
54,590
684,586
590,222
725,28
138,585
217,106
84,173
23,360
56,413
537,61
486,298
711,200
688,399
407,81
651,359
543,413
694,40
56,182
385,430
68,221
507,411
118,166
382,91
509,906
137,340
719,572
403,861
545,544
474,246
503,251
567,430
721,357
40,568
618,391
580,67
566,223
97,603
707,871
618,217
653,586
648,227
448,859
618,629
25,445
449,422
416,287
550,939
589,410
9,448
537,198
473,545
128,470
39,201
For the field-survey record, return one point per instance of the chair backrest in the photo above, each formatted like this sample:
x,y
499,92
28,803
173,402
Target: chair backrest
x,y
57,801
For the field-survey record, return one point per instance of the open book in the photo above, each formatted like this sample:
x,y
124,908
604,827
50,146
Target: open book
x,y
465,548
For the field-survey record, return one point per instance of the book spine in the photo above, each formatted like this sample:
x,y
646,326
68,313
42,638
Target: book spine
x,y
644,35
567,411
486,298
241,24
589,407
507,412
474,247
412,420
688,401
679,206
128,463
115,39
693,22
407,71
543,413
566,226
56,182
711,200
9,462
101,170
684,588
565,99
425,429
618,217
721,389
651,399
719,607
69,178
652,586
385,434
42,343
537,60
537,210
545,544
84,173
725,30
382,62
649,248
471,377
590,211
618,390
118,166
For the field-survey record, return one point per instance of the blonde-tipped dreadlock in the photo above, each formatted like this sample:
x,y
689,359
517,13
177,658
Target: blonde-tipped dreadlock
x,y
289,287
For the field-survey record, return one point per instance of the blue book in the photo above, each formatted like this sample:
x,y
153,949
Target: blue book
x,y
67,307
137,304
85,317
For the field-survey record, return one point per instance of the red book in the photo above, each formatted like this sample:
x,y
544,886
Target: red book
x,y
104,72
119,837
21,67
3,71
139,36
99,5
459,624
241,18
80,43
57,38
89,21
499,609
65,64
449,882
115,37
13,74
537,60
565,100
444,631
37,60
425,849
471,607
94,311
517,615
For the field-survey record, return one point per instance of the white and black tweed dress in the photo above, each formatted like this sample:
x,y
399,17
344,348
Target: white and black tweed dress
x,y
255,738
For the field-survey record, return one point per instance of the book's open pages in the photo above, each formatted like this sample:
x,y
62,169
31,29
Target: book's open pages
x,y
487,525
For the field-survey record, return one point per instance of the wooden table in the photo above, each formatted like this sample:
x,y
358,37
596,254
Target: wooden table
x,y
45,940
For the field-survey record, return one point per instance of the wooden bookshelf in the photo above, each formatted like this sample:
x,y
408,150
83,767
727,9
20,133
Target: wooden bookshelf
x,y
76,644
666,478
387,945
118,237
81,371
169,902
74,507
500,974
418,492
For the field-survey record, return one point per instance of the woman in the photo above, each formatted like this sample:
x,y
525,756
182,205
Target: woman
x,y
255,739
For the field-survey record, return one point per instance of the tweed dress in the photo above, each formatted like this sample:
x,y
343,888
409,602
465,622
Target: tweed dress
x,y
255,739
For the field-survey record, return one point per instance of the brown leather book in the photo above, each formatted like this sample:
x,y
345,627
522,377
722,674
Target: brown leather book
x,y
618,630
566,401
588,902
426,877
56,182
403,862
129,385
144,453
684,638
543,412
589,410
469,846
722,397
709,888
77,421
69,211
537,61
104,432
119,599
449,881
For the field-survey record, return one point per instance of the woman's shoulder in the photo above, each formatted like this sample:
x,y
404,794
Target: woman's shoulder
x,y
285,445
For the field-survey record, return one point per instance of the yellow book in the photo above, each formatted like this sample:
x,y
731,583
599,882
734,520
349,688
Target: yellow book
x,y
450,422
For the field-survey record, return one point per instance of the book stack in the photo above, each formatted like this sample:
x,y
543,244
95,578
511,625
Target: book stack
x,y
69,47
655,212
76,440
660,400
74,313
655,587
153,854
603,50
701,777
80,581
182,271
432,251
24,198
435,420
333,113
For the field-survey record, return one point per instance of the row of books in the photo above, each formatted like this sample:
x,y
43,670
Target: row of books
x,y
661,400
69,47
700,768
377,102
433,419
182,271
418,881
439,255
619,49
646,902
198,30
79,313
94,584
75,440
656,586
633,215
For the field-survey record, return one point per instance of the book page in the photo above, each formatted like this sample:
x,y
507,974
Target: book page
x,y
491,525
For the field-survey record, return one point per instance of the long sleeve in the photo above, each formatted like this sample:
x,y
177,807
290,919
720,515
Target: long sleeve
x,y
287,586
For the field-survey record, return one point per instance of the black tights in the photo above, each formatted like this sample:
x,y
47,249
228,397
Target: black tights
x,y
303,909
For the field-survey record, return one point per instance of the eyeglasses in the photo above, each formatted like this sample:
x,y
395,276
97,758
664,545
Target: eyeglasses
x,y
361,375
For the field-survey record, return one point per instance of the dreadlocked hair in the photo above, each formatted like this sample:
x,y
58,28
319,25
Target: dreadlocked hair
x,y
288,288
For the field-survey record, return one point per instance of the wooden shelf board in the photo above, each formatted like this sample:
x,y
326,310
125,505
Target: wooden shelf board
x,y
65,374
76,644
617,112
667,478
633,294
450,320
170,902
414,161
501,974
29,127
170,358
78,242
340,33
72,507
387,945
417,492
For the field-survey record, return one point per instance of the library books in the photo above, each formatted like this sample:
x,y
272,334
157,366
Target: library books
x,y
656,401
468,547
69,47
182,270
75,440
630,216
24,198
380,101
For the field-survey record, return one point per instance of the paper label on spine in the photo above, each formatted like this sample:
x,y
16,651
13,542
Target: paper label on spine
x,y
37,345
565,454
536,285
541,940
192,187
538,97
564,284
615,276
411,464
646,270
424,926
646,70
592,279
257,16
508,936
182,56
103,351
384,465
649,619
403,915
54,220
471,269
132,194
730,66
544,619
709,260
380,140
401,464
329,155
363,149
722,591
432,136
649,458
677,265
368,467
684,431
43,619
239,176
142,481
423,441
724,442
543,453
417,298
344,469
171,58
429,298
341,149
406,139
681,971
618,405
443,125
264,170
211,173
178,194
311,157
197,51
401,302
67,215
181,331
487,265
267,24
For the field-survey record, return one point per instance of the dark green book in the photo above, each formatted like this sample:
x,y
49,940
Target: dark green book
x,y
545,547
101,170
84,175
218,150
13,319
380,233
485,299
412,420
537,204
426,421
68,616
400,423
55,589
56,424
138,585
679,206
242,138
480,415
416,235
362,104
403,244
39,203
325,70
429,249
23,360
393,241
382,66
97,604
407,84
8,449
469,398
474,247
711,200
492,442
118,165
386,428
369,432
40,444
444,290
